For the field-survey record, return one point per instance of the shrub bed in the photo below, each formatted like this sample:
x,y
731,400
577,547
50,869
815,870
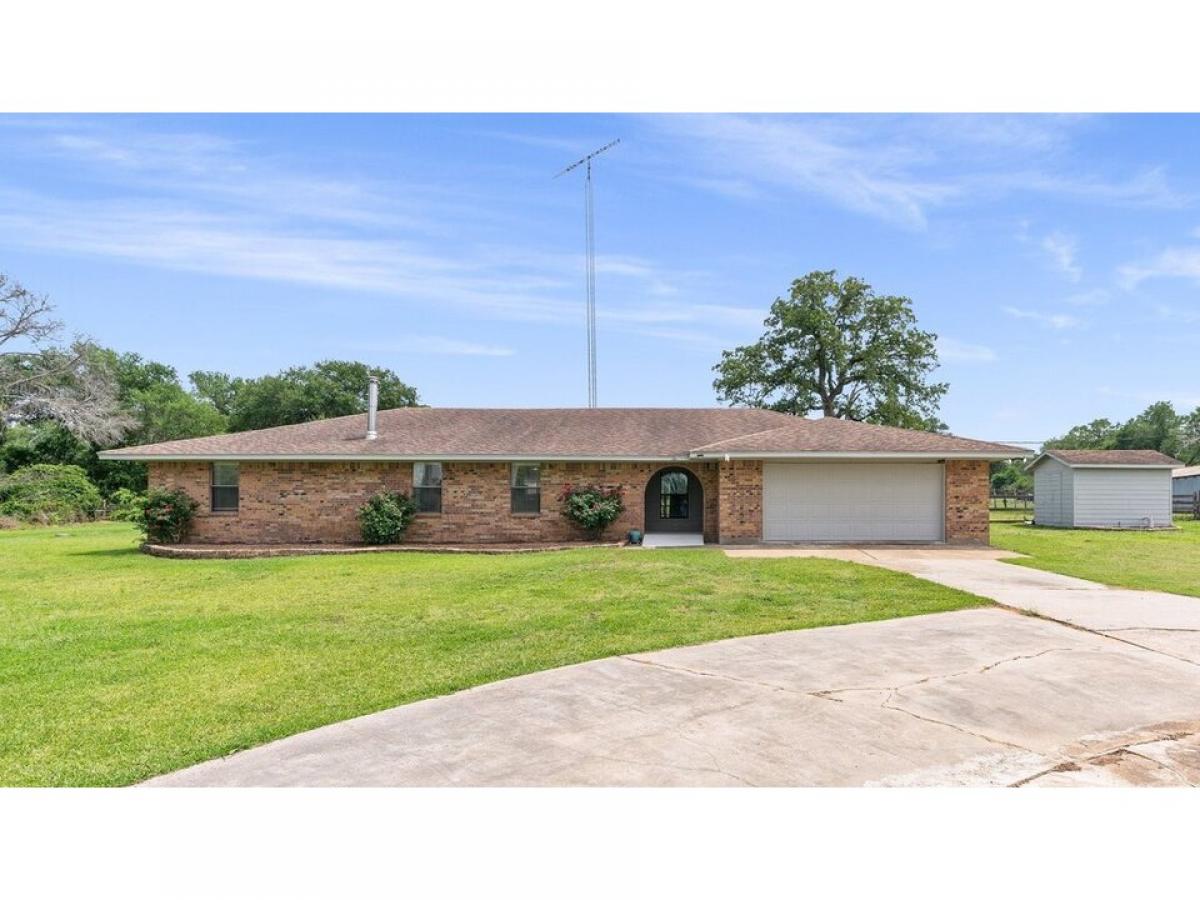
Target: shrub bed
x,y
49,495
165,516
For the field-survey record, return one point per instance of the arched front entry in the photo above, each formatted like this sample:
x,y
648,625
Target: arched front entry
x,y
674,502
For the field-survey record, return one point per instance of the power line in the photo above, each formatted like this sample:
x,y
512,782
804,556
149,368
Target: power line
x,y
589,238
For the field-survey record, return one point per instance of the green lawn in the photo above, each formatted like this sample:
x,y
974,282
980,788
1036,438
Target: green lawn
x,y
115,666
1150,560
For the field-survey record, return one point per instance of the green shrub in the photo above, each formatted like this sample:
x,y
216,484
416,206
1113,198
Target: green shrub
x,y
385,517
48,494
592,508
165,516
126,505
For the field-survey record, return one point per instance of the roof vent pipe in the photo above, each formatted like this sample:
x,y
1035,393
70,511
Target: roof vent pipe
x,y
372,407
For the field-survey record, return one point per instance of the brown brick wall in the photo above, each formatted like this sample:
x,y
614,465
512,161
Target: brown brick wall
x,y
967,483
317,502
313,502
740,501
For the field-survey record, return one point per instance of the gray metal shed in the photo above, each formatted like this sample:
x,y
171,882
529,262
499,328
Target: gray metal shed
x,y
1185,482
1102,488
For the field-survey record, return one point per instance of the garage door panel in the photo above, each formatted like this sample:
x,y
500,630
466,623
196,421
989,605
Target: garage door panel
x,y
853,502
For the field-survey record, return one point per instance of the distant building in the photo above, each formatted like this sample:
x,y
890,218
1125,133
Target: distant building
x,y
1185,482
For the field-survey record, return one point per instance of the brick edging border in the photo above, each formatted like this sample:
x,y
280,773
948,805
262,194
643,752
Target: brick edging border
x,y
167,551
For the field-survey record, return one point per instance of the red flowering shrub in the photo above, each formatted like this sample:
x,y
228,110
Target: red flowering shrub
x,y
590,507
165,516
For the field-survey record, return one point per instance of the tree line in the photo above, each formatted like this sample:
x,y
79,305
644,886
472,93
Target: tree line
x,y
62,401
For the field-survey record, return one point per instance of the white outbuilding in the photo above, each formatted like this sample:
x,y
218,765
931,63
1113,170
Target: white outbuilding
x,y
1102,488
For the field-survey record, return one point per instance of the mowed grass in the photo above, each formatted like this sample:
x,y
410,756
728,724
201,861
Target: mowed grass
x,y
1145,560
115,666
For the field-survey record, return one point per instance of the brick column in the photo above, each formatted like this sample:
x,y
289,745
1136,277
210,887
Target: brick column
x,y
740,501
966,501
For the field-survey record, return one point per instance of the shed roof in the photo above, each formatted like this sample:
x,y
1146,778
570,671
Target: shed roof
x,y
1108,459
1185,472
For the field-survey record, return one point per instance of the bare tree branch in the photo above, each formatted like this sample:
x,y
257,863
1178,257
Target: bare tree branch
x,y
24,314
70,385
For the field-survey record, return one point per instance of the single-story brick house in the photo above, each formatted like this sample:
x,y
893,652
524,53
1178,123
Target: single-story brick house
x,y
494,475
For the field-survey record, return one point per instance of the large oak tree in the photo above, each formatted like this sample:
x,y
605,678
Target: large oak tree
x,y
839,348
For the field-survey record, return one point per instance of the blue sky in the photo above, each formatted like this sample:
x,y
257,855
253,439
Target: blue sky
x,y
1058,258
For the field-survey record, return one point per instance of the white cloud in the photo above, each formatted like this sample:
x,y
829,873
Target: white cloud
x,y
822,156
1053,320
1062,249
1174,262
224,208
897,169
952,350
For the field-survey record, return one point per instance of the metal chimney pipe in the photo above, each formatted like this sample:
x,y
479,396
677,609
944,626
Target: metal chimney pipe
x,y
372,407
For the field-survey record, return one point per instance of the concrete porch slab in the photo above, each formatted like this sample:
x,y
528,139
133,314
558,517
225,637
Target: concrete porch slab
x,y
672,540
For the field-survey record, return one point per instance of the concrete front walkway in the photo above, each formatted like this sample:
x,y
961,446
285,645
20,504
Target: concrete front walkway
x,y
977,697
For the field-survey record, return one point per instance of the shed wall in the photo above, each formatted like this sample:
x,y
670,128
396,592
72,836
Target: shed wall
x,y
1053,494
1112,498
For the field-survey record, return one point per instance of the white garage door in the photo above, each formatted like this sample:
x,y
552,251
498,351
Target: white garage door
x,y
853,502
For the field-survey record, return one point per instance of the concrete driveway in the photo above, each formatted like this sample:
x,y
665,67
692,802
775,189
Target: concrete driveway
x,y
977,697
1167,623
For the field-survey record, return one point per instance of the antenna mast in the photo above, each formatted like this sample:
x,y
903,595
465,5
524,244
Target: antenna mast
x,y
589,231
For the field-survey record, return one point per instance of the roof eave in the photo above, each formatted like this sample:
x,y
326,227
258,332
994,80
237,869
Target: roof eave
x,y
1076,465
380,457
852,454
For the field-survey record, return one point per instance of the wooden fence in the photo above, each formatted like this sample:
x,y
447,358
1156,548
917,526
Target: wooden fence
x,y
1011,500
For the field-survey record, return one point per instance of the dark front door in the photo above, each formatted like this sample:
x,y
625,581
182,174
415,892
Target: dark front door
x,y
674,502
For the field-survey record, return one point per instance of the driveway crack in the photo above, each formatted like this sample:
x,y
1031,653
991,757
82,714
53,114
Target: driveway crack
x,y
719,675
887,704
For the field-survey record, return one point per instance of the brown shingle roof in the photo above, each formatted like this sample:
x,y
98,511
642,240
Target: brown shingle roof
x,y
1112,457
574,433
844,436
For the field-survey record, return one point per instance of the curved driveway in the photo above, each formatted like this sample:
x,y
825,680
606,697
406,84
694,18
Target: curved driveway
x,y
977,697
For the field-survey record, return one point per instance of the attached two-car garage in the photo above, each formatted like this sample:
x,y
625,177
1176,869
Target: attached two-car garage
x,y
846,501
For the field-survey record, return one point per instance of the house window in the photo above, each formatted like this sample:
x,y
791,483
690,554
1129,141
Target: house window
x,y
224,487
673,494
427,487
526,488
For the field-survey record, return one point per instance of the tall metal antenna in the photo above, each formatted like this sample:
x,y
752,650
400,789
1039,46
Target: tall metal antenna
x,y
589,232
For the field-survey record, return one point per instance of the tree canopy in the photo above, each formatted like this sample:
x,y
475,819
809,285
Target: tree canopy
x,y
839,348
329,388
1157,427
